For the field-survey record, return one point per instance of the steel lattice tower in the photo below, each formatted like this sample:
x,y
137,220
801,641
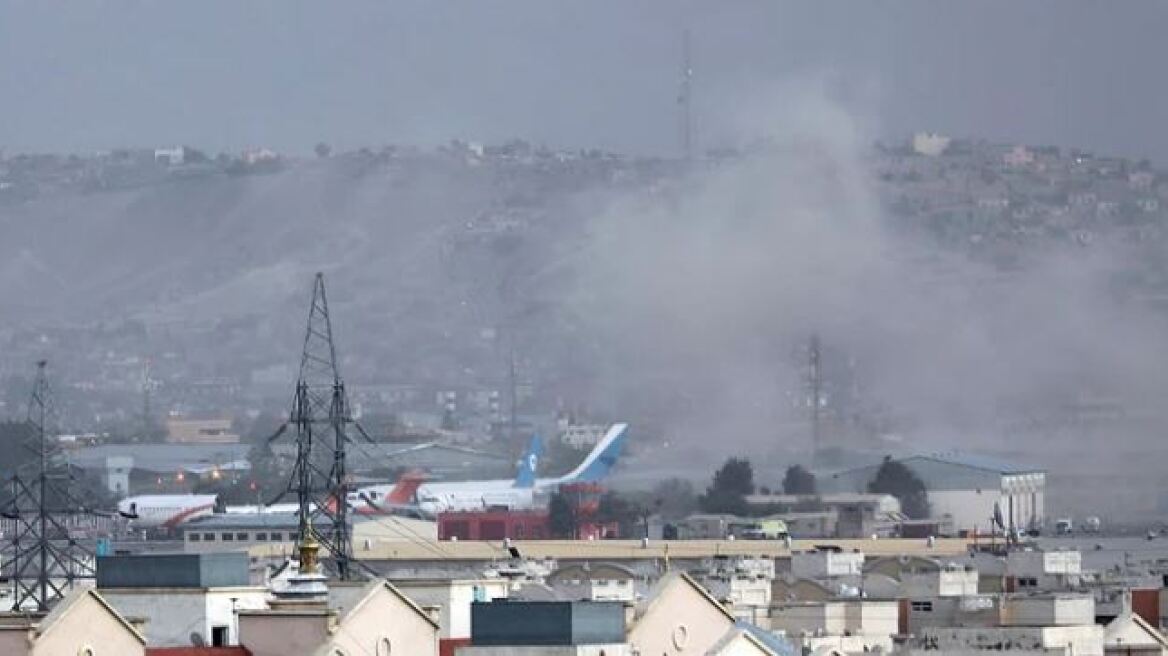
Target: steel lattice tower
x,y
320,415
46,559
815,383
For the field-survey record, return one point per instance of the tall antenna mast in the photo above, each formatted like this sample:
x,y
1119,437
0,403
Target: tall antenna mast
x,y
685,98
816,384
46,559
320,415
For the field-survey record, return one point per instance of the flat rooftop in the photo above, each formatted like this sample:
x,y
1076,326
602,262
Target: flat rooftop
x,y
468,550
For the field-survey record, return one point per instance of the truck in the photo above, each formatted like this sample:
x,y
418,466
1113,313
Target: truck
x,y
1064,526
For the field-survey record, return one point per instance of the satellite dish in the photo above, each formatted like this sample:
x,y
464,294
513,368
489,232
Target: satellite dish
x,y
197,639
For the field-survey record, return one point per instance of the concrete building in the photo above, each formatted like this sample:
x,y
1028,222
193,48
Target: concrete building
x,y
1038,623
584,628
82,623
964,489
200,431
185,599
594,582
1043,570
160,468
851,625
826,563
1131,634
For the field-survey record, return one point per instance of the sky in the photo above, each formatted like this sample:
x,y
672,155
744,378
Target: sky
x,y
225,75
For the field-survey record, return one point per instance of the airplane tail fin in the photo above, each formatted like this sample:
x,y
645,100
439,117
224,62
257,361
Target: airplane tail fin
x,y
600,461
407,484
529,463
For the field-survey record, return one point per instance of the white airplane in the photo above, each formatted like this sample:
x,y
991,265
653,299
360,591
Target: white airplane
x,y
165,510
525,491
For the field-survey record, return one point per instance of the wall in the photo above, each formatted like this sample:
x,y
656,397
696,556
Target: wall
x,y
677,610
173,614
1048,611
385,616
823,564
547,650
278,634
970,509
453,598
87,623
13,641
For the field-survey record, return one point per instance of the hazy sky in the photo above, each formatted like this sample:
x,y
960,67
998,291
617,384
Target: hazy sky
x,y
227,74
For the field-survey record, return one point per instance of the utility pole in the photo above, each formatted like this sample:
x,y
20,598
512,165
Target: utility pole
x,y
46,559
685,98
321,416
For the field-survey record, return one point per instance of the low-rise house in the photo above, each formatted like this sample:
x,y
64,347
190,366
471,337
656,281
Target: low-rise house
x,y
184,599
1131,634
851,625
678,617
599,582
826,564
553,628
81,623
368,618
1043,570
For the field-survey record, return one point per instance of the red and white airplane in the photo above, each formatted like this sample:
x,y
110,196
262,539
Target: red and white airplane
x,y
167,511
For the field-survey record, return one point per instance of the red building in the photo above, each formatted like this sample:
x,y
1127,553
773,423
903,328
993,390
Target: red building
x,y
494,525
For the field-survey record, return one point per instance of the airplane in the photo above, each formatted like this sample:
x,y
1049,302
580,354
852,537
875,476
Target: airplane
x,y
525,491
165,510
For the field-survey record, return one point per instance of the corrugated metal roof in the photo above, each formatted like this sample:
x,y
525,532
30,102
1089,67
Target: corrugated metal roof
x,y
163,457
977,461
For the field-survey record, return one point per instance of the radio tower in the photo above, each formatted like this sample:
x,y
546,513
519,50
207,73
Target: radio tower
x,y
685,98
46,560
320,415
815,383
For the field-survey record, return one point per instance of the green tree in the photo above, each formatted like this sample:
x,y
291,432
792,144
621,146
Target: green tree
x,y
895,478
798,480
561,516
727,493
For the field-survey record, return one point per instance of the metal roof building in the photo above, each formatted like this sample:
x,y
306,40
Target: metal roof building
x,y
963,488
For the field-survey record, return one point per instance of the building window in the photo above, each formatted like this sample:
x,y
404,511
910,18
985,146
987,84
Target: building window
x,y
228,537
922,606
276,537
242,537
260,537
208,537
1027,582
194,537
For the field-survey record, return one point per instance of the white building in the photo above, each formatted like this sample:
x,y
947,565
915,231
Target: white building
x,y
581,436
1043,570
183,598
826,563
963,489
855,625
